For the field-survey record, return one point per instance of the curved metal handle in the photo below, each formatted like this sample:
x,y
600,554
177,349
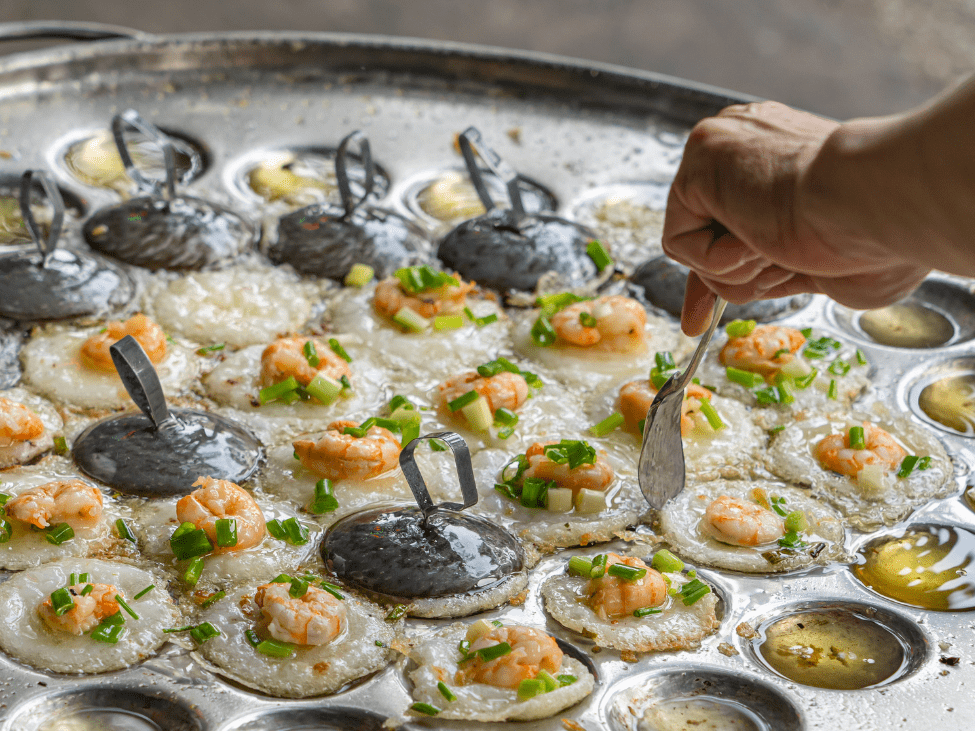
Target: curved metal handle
x,y
53,194
70,30
131,118
472,146
465,473
702,345
140,379
349,203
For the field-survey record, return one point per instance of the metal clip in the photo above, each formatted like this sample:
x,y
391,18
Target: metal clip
x,y
349,202
53,194
140,379
472,145
465,473
167,144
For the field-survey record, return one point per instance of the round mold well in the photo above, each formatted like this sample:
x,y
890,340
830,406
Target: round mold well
x,y
104,709
663,281
313,163
100,142
10,188
691,697
456,185
337,718
943,395
837,645
925,566
938,314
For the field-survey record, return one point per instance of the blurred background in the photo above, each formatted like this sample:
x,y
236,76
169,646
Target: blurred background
x,y
842,58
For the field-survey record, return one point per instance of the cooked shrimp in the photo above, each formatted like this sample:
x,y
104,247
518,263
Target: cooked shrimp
x,y
505,390
764,350
95,353
339,456
611,597
88,610
216,499
65,501
834,452
741,523
531,651
619,326
314,618
18,423
285,357
596,476
636,397
390,298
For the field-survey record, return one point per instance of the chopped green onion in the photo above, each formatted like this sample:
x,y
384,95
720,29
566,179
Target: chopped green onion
x,y
61,601
311,353
87,589
276,530
397,612
769,395
580,566
116,618
72,579
550,682
565,680
822,347
791,540
552,303
172,630
600,257
299,587
425,708
598,566
203,632
213,598
711,415
226,532
839,367
666,562
780,352
107,633
795,522
278,390
324,500
861,358
410,430
448,322
192,574
84,577
740,328
464,648
337,348
461,401
534,492
664,360
912,462
323,388
4,497
128,610
400,402
542,332
627,573
505,417
446,692
529,688
418,279
587,320
924,463
574,452
191,543
610,423
805,381
290,531
693,590
58,534
833,391
123,530
252,639
210,349
481,321
359,275
776,504
333,590
646,612
744,378
692,573
492,652
411,320
857,438
60,445
806,332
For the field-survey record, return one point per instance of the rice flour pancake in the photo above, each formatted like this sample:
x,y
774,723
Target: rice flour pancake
x,y
53,367
677,627
436,659
27,547
239,306
850,378
313,670
791,457
19,452
681,527
25,636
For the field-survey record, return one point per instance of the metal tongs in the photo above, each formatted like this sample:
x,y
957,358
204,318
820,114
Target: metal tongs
x,y
661,467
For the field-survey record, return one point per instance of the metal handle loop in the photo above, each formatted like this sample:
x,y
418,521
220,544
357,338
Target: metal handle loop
x,y
349,203
465,473
167,144
53,195
140,379
472,146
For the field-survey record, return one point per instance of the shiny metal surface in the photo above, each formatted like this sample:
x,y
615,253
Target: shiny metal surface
x,y
580,127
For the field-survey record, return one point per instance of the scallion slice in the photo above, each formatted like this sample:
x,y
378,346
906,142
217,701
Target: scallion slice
x,y
627,573
839,367
534,492
529,688
332,589
446,692
278,390
207,349
400,402
397,612
108,633
190,544
203,632
461,401
4,497
281,579
492,652
226,532
276,530
574,452
60,445
587,320
646,611
610,423
803,382
857,438
600,257
337,348
565,680
744,378
192,574
861,357
58,534
311,353
299,587
324,500
144,592
61,601
693,590
297,534
598,566
664,360
448,322
505,417
411,320
833,391
667,562
580,566
252,639
123,530
128,610
323,388
912,462
740,328
425,708
542,332
359,275
711,414
87,589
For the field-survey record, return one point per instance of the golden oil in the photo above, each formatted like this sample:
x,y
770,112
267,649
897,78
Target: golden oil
x,y
907,325
951,402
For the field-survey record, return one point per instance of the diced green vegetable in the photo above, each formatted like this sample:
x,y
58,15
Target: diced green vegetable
x,y
580,566
411,320
337,348
744,378
740,328
711,415
627,573
600,257
666,562
278,390
857,438
359,275
324,500
192,574
123,530
311,353
693,590
542,332
529,688
610,423
446,692
448,322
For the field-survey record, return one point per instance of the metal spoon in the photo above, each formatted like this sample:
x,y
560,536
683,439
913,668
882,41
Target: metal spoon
x,y
661,467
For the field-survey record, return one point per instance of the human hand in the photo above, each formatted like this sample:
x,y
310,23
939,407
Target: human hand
x,y
758,210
